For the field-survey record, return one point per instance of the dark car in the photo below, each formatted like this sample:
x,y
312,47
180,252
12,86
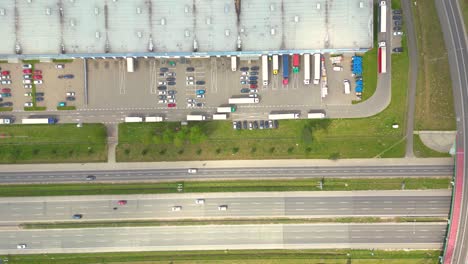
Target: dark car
x,y
162,88
70,98
397,17
255,124
162,97
200,104
262,124
397,12
171,83
39,94
39,99
90,178
66,76
190,69
171,92
255,68
161,74
253,82
239,125
398,23
244,69
253,73
396,28
266,124
6,104
244,124
77,216
200,82
253,78
164,69
275,124
1,99
245,90
399,49
170,79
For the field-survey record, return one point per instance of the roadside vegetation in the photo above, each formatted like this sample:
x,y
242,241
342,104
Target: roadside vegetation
x,y
280,256
328,184
422,151
53,143
464,10
434,98
256,221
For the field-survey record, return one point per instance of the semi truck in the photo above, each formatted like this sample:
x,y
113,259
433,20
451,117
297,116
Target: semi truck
x,y
315,115
285,69
196,117
244,100
226,109
133,119
317,68
154,119
130,65
219,116
5,121
382,57
265,69
46,120
275,64
295,63
307,68
234,63
383,16
279,116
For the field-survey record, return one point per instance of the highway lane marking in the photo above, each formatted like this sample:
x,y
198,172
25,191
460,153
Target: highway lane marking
x,y
299,209
388,202
147,212
79,235
344,202
299,202
410,208
387,208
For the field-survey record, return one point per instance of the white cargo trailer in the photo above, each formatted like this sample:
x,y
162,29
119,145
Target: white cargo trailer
x,y
265,69
279,116
244,100
275,64
317,68
234,63
130,65
315,115
5,121
307,68
196,117
47,120
383,16
154,119
219,116
133,119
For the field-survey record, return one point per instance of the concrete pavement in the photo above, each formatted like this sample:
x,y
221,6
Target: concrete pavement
x,y
240,205
441,141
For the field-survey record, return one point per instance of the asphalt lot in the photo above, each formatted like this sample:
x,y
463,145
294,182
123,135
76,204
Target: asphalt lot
x,y
388,236
383,203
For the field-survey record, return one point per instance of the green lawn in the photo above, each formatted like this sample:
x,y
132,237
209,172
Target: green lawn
x,y
328,256
434,99
464,10
421,151
329,184
53,143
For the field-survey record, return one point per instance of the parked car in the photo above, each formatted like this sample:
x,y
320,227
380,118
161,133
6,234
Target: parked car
x,y
162,97
255,68
253,86
66,76
200,91
171,100
190,69
275,123
396,12
37,81
397,33
37,77
162,88
6,77
245,90
6,90
6,82
25,81
396,28
398,23
200,96
255,124
162,83
190,100
161,92
171,105
200,82
397,17
253,82
243,82
39,99
90,178
164,69
245,124
27,66
244,69
69,94
170,74
27,76
170,79
200,104
37,72
5,94
28,104
176,208
39,94
5,104
234,125
254,90
190,78
399,49
162,102
59,66
253,73
222,207
5,73
70,98
27,86
27,71
190,105
21,246
171,83
244,74
262,124
250,125
27,94
62,104
189,83
172,92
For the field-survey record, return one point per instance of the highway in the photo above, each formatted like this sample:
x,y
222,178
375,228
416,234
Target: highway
x,y
403,235
245,205
138,175
456,44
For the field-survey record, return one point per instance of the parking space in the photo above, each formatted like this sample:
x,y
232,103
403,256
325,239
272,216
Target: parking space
x,y
338,72
397,30
10,85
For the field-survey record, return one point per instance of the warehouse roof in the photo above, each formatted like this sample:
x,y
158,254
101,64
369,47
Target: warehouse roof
x,y
181,26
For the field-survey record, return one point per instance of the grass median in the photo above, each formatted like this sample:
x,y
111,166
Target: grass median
x,y
280,256
256,221
53,143
328,184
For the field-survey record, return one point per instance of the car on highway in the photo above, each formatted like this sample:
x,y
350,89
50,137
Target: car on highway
x,y
171,105
66,76
27,66
77,216
245,90
190,69
90,178
200,82
176,208
222,207
192,171
21,246
6,90
37,82
122,202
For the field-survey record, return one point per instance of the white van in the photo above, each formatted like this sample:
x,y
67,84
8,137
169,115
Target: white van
x,y
347,87
337,68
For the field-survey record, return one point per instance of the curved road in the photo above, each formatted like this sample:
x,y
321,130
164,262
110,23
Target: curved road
x,y
244,205
385,236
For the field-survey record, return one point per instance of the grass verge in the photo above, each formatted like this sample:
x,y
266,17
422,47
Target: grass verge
x,y
53,143
329,184
62,60
257,221
295,139
35,108
464,10
434,99
422,151
66,107
6,109
309,256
